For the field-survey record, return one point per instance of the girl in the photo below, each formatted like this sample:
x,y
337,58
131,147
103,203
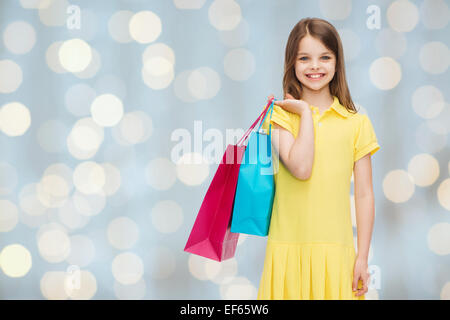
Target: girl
x,y
320,139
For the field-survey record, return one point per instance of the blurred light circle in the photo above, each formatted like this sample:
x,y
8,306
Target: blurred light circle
x,y
8,215
385,73
54,245
53,13
428,140
92,68
445,291
107,110
167,216
89,177
221,272
89,204
236,37
160,174
239,64
438,238
118,26
55,186
197,267
135,127
35,4
439,124
239,288
158,66
398,186
134,291
427,101
159,51
85,138
113,179
61,169
157,82
435,14
189,5
192,169
53,285
123,233
434,57
15,260
402,15
224,14
84,288
15,119
424,169
19,37
127,268
145,26
443,194
69,215
181,87
336,10
52,57
75,55
203,83
161,262
372,294
10,76
29,201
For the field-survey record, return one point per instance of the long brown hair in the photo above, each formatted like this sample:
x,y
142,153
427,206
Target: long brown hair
x,y
328,35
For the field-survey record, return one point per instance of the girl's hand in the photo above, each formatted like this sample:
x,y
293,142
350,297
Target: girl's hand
x,y
360,273
292,105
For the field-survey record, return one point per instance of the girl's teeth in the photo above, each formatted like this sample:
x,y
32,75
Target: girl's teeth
x,y
315,76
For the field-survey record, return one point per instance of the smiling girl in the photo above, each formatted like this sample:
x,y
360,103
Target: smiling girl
x,y
321,141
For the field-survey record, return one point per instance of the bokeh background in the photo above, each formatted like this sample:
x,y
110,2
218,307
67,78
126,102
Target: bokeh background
x,y
96,198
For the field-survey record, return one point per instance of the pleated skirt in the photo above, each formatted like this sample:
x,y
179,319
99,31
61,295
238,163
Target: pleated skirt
x,y
308,271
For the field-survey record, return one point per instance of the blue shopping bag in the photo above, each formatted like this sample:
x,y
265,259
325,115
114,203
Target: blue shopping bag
x,y
255,190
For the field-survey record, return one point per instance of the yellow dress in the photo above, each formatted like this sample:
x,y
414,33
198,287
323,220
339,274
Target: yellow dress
x,y
310,251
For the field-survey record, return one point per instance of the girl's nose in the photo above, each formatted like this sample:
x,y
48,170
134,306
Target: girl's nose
x,y
314,64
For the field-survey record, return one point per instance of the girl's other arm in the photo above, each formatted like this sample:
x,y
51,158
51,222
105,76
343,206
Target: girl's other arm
x,y
364,203
365,215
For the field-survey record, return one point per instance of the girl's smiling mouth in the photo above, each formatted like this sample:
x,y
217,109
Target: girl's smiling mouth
x,y
315,76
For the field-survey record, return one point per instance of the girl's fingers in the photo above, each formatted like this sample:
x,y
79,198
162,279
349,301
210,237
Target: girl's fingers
x,y
355,282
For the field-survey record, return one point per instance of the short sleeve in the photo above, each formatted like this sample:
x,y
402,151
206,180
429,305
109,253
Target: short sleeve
x,y
280,117
366,140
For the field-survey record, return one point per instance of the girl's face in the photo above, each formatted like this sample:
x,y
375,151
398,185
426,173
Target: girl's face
x,y
315,65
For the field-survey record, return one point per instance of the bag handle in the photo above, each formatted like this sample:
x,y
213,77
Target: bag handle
x,y
270,124
263,113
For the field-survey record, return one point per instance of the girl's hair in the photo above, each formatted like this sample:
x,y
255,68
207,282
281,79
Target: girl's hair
x,y
328,35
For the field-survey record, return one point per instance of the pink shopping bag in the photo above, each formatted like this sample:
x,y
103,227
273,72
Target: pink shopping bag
x,y
210,236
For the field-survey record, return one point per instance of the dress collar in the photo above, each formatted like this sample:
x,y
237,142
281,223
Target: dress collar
x,y
336,106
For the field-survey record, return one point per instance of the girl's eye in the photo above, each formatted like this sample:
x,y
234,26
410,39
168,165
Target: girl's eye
x,y
304,58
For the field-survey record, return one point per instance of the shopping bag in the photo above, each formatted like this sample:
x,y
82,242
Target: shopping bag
x,y
255,188
211,236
